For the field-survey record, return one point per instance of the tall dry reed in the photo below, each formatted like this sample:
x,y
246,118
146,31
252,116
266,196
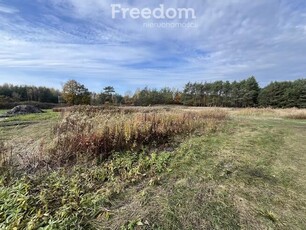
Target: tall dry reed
x,y
97,134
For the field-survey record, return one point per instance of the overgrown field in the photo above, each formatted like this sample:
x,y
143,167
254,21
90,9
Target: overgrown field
x,y
154,168
86,134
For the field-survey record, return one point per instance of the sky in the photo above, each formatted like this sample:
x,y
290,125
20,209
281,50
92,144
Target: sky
x,y
47,42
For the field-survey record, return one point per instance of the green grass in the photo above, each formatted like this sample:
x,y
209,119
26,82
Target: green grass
x,y
2,111
37,117
23,120
250,175
74,198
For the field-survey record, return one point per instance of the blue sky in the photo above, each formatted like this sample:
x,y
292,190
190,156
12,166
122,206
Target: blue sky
x,y
47,42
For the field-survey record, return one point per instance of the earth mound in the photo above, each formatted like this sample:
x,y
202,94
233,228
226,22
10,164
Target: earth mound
x,y
24,109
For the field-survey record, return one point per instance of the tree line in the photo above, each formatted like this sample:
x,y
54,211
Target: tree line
x,y
14,93
225,94
240,94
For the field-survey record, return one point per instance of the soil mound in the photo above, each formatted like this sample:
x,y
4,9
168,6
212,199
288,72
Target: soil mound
x,y
24,109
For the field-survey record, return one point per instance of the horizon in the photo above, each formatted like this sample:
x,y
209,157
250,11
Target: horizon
x,y
46,43
150,88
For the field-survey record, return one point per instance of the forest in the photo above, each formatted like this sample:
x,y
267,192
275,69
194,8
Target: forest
x,y
11,95
238,94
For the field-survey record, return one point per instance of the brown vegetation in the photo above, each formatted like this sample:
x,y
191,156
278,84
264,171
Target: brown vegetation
x,y
87,134
292,113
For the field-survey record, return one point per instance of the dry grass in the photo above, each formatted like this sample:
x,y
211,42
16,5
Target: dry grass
x,y
113,109
26,136
292,113
3,154
87,134
299,114
254,112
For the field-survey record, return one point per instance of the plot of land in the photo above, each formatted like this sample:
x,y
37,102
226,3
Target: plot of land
x,y
249,173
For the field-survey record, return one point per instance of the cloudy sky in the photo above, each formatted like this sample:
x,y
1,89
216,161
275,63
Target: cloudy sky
x,y
47,42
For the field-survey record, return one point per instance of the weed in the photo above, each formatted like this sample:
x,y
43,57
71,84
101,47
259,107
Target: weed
x,y
269,215
86,135
72,199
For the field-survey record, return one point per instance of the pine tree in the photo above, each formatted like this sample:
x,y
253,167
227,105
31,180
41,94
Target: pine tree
x,y
302,96
251,91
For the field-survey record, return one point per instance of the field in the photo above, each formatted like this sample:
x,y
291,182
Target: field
x,y
154,168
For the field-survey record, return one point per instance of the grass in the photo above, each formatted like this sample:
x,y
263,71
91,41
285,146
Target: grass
x,y
250,176
293,113
25,135
62,198
89,135
2,111
72,199
47,115
301,115
247,174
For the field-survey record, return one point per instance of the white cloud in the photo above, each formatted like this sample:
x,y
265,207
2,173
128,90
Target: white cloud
x,y
234,39
7,10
